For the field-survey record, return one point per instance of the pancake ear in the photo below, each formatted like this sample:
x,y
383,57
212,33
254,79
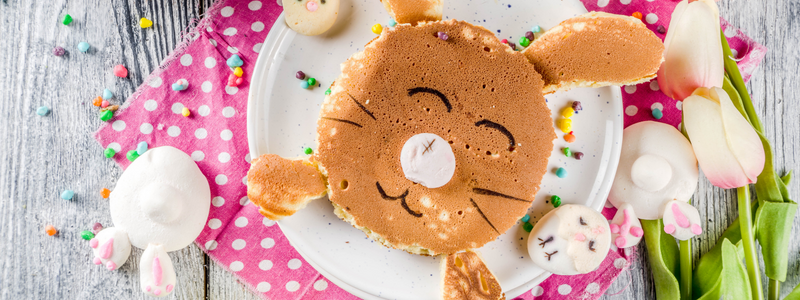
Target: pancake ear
x,y
414,11
281,187
594,50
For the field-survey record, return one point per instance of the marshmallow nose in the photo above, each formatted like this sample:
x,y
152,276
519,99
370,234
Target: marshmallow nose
x,y
651,172
312,6
428,159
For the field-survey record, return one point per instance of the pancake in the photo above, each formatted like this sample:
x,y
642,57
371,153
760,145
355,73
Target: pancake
x,y
474,92
281,187
466,277
596,49
414,11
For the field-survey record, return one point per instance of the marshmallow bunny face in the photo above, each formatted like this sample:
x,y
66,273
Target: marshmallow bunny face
x,y
310,17
569,240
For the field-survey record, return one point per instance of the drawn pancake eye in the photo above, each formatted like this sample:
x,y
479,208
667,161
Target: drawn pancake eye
x,y
435,92
486,123
322,1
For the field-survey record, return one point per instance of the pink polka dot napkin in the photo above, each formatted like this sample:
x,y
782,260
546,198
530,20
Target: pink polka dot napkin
x,y
236,236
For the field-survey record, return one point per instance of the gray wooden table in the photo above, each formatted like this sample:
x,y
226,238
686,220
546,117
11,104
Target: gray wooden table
x,y
41,156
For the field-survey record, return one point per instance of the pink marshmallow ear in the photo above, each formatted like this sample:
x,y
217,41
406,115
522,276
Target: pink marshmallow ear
x,y
157,273
107,248
97,261
669,229
696,229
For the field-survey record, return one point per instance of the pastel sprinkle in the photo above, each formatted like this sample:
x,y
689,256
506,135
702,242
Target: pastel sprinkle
x,y
97,101
504,41
661,29
104,104
570,138
141,148
567,152
536,29
234,81
637,15
42,111
442,35
524,41
97,227
83,47
87,235
109,152
107,94
145,23
186,112
105,193
67,20
561,173
132,155
576,106
565,125
327,92
106,115
50,230
238,72
377,29
392,22
312,81
304,84
567,112
120,71
555,200
527,226
300,75
529,35
234,61
657,114
308,151
67,195
577,155
512,45
180,85
525,218
58,51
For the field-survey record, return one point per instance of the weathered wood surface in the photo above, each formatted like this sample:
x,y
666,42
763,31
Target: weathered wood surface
x,y
40,157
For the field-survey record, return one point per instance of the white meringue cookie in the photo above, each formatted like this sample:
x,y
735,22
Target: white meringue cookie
x,y
571,239
657,165
310,17
156,273
428,159
626,230
681,220
111,248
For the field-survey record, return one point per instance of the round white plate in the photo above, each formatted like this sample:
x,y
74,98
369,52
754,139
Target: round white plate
x,y
282,118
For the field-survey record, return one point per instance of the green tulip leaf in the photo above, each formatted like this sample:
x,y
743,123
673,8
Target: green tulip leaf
x,y
794,295
773,227
706,274
732,282
664,259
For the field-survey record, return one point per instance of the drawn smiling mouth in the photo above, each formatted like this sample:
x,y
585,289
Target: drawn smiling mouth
x,y
402,198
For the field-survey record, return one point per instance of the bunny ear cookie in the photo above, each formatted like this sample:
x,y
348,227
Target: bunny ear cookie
x,y
281,186
596,49
414,11
465,276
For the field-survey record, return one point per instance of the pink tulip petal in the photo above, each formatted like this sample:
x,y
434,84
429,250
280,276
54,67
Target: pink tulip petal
x,y
742,138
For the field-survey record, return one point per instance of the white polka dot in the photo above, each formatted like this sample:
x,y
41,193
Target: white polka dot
x,y
213,42
118,125
735,53
200,133
679,105
255,5
593,288
247,158
730,31
228,112
206,86
211,245
267,243
537,291
210,62
263,287
209,29
186,60
198,155
292,286
230,31
626,2
631,110
654,85
146,128
294,264
236,266
619,263
231,90
602,3
280,3
651,18
257,27
224,157
658,106
155,82
115,146
244,180
214,223
217,201
177,108
265,265
174,131
238,244
564,289
226,11
221,179
243,201
150,105
241,222
268,222
203,110
320,285
226,135
232,49
257,47
630,89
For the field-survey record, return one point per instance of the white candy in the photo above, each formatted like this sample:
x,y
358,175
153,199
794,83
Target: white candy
x,y
657,165
156,273
310,17
428,159
681,220
626,230
571,239
162,198
111,248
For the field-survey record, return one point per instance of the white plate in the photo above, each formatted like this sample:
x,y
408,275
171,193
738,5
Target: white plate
x,y
281,119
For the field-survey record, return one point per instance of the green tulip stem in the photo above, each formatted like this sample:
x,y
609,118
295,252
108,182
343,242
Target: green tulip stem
x,y
750,256
686,270
774,289
736,77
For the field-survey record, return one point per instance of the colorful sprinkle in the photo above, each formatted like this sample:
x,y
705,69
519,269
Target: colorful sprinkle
x,y
106,115
566,151
328,92
527,226
555,200
442,35
67,195
312,81
109,152
525,218
536,29
107,94
234,81
104,104
186,112
561,173
132,155
105,193
512,45
565,125
97,101
392,22
570,138
300,75
50,230
83,47
661,29
234,61
87,235
180,85
637,15
504,41
67,20
238,72
141,148
524,41
576,106
42,111
529,35
304,84
658,114
58,51
308,151
120,71
567,112
577,155
97,227
377,29
145,23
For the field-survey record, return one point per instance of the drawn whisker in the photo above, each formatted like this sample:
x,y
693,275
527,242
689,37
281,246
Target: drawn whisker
x,y
486,192
343,121
483,215
362,107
